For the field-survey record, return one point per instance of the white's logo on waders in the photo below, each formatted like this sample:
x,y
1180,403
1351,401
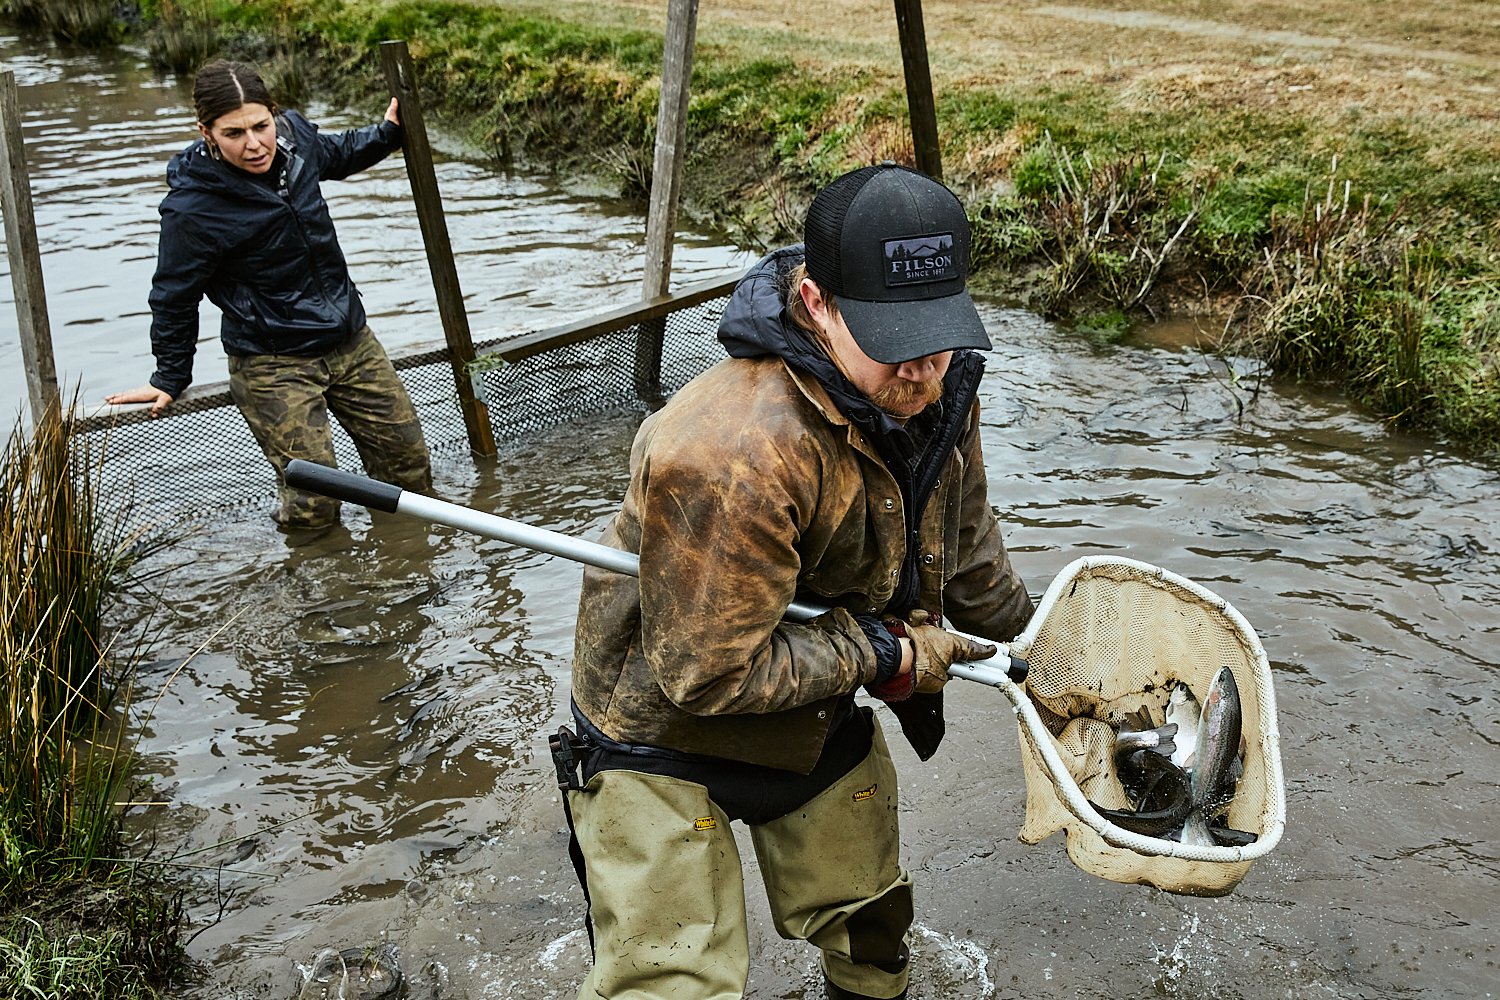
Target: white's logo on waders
x,y
865,793
705,823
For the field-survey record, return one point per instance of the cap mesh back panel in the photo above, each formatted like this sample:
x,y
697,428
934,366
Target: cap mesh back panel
x,y
825,221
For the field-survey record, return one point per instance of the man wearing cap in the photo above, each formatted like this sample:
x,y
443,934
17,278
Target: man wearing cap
x,y
833,459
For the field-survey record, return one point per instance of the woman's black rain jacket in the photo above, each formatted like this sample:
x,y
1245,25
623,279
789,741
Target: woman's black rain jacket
x,y
262,248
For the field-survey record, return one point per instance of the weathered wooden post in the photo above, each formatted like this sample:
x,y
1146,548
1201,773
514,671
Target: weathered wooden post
x,y
666,187
924,134
25,257
401,75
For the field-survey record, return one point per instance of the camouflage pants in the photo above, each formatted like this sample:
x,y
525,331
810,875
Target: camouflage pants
x,y
286,401
667,892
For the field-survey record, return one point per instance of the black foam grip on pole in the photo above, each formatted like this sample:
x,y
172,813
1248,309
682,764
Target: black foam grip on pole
x,y
341,485
1018,670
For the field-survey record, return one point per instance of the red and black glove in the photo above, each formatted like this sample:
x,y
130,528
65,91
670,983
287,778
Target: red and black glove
x,y
916,697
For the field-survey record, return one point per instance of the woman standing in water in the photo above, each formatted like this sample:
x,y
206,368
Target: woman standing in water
x,y
245,223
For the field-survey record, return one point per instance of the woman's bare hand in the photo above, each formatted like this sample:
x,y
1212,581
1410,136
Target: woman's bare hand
x,y
393,113
145,394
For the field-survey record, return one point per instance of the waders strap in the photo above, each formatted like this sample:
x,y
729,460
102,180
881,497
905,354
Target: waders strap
x,y
568,753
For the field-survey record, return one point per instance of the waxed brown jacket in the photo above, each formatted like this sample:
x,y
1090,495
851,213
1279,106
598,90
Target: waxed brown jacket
x,y
749,490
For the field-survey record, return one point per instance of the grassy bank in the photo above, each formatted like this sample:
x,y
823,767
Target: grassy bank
x,y
74,921
1329,194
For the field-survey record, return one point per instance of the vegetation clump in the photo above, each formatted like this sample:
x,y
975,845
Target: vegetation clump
x,y
75,919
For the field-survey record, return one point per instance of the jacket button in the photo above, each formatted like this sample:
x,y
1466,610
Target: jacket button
x,y
894,572
890,504
822,714
872,609
928,558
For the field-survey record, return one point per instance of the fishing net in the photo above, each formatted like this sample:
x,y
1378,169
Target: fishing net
x,y
1110,637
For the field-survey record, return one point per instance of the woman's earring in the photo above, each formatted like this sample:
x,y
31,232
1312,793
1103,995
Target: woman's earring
x,y
213,149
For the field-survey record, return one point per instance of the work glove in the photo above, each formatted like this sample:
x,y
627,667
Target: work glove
x,y
936,649
916,698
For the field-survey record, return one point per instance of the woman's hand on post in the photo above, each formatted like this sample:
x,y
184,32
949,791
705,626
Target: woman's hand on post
x,y
393,113
145,394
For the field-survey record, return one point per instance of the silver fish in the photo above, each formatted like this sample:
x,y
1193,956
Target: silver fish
x,y
1136,733
1215,758
1181,776
1185,713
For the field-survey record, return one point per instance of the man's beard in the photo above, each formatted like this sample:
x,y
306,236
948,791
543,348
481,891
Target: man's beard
x,y
901,398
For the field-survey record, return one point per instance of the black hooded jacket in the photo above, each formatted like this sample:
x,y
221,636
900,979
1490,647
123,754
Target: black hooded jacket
x,y
262,248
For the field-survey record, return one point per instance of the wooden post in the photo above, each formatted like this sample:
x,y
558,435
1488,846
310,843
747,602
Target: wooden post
x,y
402,78
924,134
25,257
666,186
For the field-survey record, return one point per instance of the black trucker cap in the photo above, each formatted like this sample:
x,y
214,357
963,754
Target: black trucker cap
x,y
892,245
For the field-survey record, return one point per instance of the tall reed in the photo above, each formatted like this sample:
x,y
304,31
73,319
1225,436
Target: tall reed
x,y
1339,292
1109,226
85,22
61,754
75,920
184,34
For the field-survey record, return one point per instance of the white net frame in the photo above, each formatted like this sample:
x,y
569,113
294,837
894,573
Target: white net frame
x,y
1109,638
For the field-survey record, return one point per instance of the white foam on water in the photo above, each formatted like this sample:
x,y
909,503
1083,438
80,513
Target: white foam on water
x,y
963,957
549,954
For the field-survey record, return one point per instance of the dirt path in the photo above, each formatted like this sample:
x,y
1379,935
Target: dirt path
x,y
1287,40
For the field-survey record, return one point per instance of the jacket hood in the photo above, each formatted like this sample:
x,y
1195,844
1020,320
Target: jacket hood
x,y
756,323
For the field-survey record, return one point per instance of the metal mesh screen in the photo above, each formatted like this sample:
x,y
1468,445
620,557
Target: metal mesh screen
x,y
598,374
199,458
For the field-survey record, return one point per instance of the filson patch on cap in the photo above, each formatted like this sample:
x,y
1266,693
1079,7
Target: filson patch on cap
x,y
915,260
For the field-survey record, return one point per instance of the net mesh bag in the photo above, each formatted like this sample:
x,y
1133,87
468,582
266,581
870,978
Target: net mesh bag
x,y
1110,637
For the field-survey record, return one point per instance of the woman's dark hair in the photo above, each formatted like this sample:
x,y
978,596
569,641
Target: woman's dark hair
x,y
222,86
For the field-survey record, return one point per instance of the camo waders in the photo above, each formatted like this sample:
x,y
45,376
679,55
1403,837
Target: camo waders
x,y
286,400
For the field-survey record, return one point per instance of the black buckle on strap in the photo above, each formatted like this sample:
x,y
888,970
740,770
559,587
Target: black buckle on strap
x,y
567,757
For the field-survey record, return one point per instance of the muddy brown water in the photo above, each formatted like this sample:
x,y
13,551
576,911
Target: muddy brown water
x,y
350,732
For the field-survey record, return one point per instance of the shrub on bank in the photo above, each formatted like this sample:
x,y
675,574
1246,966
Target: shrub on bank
x,y
75,921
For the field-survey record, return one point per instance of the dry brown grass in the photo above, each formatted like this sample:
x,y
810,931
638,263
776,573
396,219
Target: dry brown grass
x,y
1320,59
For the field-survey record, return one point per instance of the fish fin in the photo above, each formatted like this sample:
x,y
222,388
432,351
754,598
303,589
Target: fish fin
x,y
1138,721
1166,745
1227,836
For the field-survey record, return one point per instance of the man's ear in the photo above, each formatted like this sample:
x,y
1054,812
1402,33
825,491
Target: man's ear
x,y
812,298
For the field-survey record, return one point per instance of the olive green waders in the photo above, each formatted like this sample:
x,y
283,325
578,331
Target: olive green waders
x,y
286,400
667,891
